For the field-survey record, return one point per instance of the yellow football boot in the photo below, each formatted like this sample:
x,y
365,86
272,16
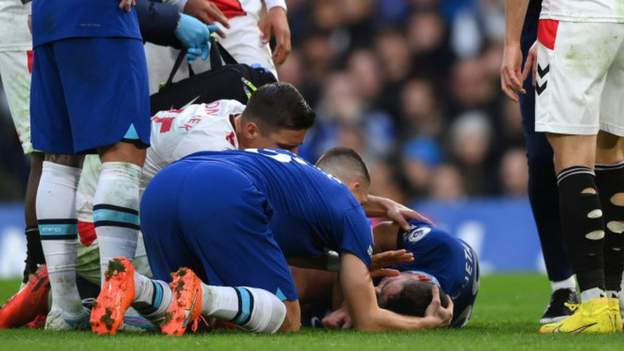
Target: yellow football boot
x,y
594,316
614,306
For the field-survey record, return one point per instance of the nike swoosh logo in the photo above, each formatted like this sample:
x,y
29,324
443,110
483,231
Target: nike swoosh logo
x,y
577,330
190,102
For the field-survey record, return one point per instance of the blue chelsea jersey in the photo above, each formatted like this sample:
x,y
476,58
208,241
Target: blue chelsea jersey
x,y
312,211
54,20
439,254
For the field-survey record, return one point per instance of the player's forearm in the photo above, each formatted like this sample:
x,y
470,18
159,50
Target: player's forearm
x,y
515,11
381,319
375,206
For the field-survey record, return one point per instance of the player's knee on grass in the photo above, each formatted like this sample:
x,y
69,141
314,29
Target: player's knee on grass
x,y
413,299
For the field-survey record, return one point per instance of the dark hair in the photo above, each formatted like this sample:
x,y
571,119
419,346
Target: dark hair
x,y
414,299
344,162
279,106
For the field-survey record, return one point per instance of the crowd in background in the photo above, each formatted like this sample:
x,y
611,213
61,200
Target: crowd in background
x,y
410,84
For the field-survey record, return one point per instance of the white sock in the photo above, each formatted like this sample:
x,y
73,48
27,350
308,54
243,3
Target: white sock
x,y
116,211
56,214
613,294
591,294
569,283
151,298
261,312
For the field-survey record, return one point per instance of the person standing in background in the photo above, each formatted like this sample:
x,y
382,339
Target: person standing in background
x,y
543,193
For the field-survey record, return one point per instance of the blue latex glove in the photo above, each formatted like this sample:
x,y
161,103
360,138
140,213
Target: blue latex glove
x,y
195,36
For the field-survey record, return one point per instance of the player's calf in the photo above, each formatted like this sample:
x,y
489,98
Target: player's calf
x,y
583,225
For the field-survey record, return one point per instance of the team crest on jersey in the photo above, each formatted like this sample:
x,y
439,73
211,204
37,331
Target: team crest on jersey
x,y
415,233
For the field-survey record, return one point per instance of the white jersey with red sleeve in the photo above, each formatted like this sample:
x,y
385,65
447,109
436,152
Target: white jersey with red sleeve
x,y
236,8
583,10
179,133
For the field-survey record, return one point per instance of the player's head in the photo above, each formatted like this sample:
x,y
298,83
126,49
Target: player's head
x,y
276,116
407,294
345,164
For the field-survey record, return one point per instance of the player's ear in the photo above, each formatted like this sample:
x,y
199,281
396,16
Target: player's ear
x,y
251,130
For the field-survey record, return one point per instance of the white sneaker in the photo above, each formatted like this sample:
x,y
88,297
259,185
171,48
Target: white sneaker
x,y
57,320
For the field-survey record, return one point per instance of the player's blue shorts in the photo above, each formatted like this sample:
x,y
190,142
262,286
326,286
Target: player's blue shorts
x,y
464,301
211,218
88,93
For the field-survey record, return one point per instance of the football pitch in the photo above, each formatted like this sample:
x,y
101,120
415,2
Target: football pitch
x,y
505,318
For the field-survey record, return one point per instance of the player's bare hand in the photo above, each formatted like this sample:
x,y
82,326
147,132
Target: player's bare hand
x,y
439,315
275,23
530,65
207,12
338,319
389,258
127,5
392,210
511,76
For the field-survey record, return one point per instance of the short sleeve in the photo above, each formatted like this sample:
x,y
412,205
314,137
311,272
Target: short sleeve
x,y
357,236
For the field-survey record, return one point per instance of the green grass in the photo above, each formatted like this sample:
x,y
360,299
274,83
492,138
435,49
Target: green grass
x,y
505,318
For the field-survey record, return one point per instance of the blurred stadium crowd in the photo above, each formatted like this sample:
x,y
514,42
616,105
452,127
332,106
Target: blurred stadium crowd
x,y
412,85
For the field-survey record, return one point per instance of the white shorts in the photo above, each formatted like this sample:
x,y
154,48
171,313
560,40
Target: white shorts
x,y
243,42
16,82
580,78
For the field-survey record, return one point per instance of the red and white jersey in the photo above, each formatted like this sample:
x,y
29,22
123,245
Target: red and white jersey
x,y
14,33
236,8
583,10
179,133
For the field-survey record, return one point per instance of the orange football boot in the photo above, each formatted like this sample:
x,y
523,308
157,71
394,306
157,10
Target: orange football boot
x,y
28,303
186,306
115,297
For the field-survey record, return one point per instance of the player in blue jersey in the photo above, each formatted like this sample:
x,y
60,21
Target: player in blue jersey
x,y
226,216
89,94
440,259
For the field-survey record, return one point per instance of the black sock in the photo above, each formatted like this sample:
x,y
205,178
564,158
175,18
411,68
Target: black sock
x,y
34,252
582,225
610,181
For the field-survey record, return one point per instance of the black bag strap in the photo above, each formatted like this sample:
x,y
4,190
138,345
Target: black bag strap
x,y
217,54
176,66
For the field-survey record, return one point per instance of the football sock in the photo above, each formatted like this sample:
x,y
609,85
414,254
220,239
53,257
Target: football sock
x,y
56,215
151,298
610,181
583,227
569,284
116,211
253,309
34,252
